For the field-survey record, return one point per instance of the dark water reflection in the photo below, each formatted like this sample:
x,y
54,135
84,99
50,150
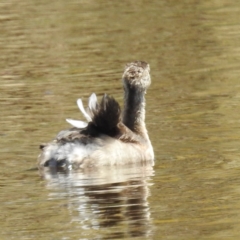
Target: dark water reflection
x,y
53,52
113,202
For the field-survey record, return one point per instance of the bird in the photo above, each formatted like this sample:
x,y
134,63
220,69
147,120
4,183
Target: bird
x,y
109,136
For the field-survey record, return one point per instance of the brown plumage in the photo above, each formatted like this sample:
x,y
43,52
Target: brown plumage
x,y
109,137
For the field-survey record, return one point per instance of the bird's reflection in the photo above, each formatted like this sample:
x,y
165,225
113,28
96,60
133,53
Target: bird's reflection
x,y
114,199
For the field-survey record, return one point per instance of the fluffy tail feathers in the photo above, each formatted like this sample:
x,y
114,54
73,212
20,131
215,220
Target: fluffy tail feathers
x,y
104,116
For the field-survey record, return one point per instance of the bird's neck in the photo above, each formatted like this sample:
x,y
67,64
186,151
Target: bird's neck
x,y
134,109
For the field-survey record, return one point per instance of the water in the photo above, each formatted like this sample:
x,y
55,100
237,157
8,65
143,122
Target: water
x,y
55,52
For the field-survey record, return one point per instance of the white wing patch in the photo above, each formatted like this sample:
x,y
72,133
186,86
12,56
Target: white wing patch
x,y
92,102
77,123
92,105
85,114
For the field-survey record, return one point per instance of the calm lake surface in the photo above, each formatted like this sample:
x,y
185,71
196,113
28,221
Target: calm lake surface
x,y
53,52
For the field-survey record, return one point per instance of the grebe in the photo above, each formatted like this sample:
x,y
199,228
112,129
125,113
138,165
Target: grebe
x,y
108,137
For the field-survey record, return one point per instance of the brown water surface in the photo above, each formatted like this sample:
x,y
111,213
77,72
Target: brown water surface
x,y
53,52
